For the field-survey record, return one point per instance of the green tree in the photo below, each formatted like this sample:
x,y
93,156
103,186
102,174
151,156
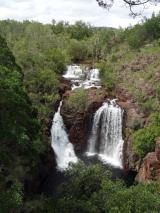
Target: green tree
x,y
90,189
20,136
80,30
43,90
78,101
77,50
152,27
137,36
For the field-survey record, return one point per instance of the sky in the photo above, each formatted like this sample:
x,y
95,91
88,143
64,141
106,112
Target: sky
x,y
71,10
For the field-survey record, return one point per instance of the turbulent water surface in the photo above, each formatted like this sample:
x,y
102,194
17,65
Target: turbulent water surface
x,y
82,78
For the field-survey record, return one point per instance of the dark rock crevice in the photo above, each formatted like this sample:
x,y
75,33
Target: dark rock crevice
x,y
79,124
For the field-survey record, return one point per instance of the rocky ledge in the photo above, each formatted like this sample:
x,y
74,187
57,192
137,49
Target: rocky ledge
x,y
150,168
78,124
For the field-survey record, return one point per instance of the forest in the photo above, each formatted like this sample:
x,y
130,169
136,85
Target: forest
x,y
33,58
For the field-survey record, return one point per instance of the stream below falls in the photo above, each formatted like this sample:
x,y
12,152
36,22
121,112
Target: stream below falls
x,y
105,142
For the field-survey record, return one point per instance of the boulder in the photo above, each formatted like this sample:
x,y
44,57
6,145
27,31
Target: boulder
x,y
150,168
78,125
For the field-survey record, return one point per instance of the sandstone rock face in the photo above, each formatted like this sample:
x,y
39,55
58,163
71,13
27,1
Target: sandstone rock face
x,y
78,125
150,168
64,85
133,119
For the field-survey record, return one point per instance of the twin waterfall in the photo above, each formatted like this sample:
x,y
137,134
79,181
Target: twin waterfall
x,y
105,140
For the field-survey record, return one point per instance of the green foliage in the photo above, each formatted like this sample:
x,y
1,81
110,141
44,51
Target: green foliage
x,y
16,119
158,92
56,60
136,37
20,133
90,190
6,57
12,199
152,27
43,90
77,50
144,139
80,30
41,204
149,30
78,100
101,43
108,76
13,99
136,125
149,105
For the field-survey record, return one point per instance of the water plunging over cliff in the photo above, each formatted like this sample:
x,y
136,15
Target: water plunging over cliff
x,y
73,72
106,135
63,149
82,78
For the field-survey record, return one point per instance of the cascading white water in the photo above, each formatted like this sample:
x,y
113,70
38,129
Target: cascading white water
x,y
106,135
82,78
73,72
93,75
63,149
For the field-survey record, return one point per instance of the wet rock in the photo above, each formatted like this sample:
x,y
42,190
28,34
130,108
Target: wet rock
x,y
64,86
78,124
133,120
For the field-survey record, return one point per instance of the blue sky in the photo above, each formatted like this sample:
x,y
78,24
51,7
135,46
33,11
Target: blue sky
x,y
71,10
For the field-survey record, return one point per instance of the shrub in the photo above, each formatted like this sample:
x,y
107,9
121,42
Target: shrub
x,y
158,92
12,199
150,105
91,190
136,125
108,76
55,59
77,50
137,36
144,139
78,100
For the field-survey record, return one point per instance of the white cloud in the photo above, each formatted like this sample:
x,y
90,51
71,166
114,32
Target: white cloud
x,y
69,10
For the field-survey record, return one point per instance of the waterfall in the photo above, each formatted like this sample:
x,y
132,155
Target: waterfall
x,y
106,134
82,78
63,149
73,72
93,75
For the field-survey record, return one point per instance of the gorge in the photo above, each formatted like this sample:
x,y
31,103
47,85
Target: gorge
x,y
105,138
102,113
